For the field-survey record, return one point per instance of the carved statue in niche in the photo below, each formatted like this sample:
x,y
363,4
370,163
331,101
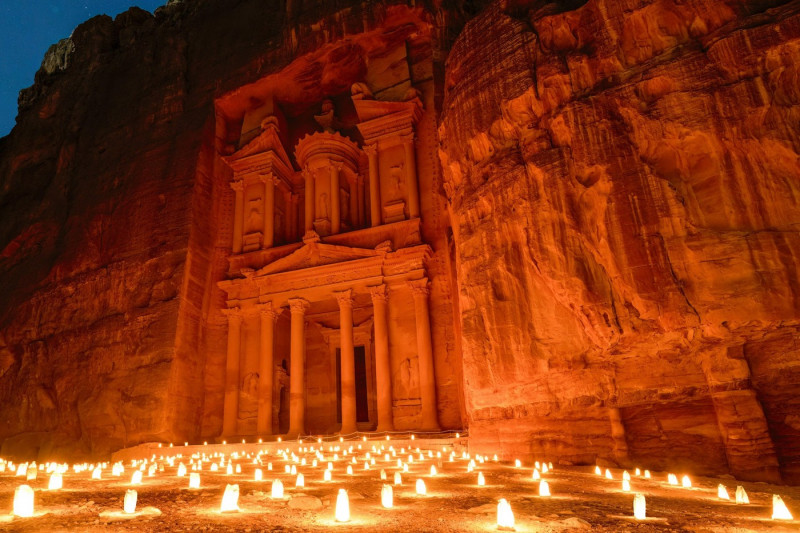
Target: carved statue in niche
x,y
253,215
406,380
248,396
327,119
395,183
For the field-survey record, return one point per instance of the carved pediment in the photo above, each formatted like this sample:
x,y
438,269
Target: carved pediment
x,y
265,149
315,254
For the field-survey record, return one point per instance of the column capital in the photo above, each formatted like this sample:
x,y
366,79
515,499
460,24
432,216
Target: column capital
x,y
234,314
378,292
268,177
268,311
345,298
420,287
337,165
298,305
371,149
408,137
237,186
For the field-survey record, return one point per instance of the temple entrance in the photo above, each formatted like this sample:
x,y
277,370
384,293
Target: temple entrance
x,y
283,412
362,400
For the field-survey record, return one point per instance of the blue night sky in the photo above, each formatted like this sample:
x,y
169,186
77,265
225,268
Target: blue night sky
x,y
29,27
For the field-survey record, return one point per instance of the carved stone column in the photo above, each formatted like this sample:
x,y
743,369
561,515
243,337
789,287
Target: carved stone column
x,y
269,210
374,185
265,369
411,175
309,176
336,216
361,216
348,365
238,216
230,413
354,203
297,380
383,369
295,218
427,378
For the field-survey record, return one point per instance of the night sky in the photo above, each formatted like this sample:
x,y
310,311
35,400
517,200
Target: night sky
x,y
29,27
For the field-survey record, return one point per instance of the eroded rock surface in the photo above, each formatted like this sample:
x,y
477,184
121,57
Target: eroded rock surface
x,y
625,201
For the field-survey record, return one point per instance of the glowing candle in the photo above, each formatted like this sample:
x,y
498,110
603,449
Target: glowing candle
x,y
129,504
31,472
544,468
349,470
405,468
537,466
215,467
608,474
383,474
494,458
433,470
421,489
536,475
481,479
366,465
326,476
387,496
277,489
779,509
626,475
686,482
23,501
638,472
342,506
259,475
22,470
181,470
544,488
398,480
194,480
505,516
626,485
230,499
722,492
672,479
639,507
55,482
647,474
517,463
269,467
598,471
97,473
300,481
741,496
136,478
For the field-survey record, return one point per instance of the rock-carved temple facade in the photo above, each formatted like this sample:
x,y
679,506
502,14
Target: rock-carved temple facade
x,y
328,291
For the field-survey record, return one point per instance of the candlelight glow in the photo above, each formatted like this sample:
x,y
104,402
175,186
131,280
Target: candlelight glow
x,y
421,489
686,482
258,475
741,496
647,474
129,504
55,482
505,516
433,470
481,480
387,496
517,463
779,509
342,507
300,481
544,488
598,471
639,507
326,476
672,479
97,473
136,478
536,475
398,480
23,501
230,499
181,470
277,489
626,476
608,474
194,480
626,485
722,492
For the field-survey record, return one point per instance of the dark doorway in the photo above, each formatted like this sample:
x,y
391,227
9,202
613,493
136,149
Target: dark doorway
x,y
283,412
362,403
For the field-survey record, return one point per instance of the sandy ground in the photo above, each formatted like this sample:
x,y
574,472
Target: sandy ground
x,y
580,501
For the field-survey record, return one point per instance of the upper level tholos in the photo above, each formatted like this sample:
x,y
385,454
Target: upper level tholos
x,y
342,176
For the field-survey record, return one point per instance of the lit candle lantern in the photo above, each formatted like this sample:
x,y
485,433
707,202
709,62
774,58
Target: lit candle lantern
x,y
342,506
639,507
626,485
326,476
686,482
32,472
238,469
398,480
136,478
505,516
722,492
481,479
387,496
779,509
300,481
230,499
23,501
608,474
626,476
194,480
129,503
647,474
433,470
215,468
741,496
638,472
517,463
421,489
55,482
97,473
277,489
598,471
181,470
672,479
536,476
405,468
349,470
22,470
258,475
544,488
293,470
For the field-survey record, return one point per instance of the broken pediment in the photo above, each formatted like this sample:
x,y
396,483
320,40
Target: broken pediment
x,y
314,254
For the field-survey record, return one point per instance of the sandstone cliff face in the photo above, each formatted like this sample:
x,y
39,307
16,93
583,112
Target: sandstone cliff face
x,y
625,193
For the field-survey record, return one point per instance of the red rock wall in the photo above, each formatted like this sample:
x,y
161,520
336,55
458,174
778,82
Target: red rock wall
x,y
623,179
